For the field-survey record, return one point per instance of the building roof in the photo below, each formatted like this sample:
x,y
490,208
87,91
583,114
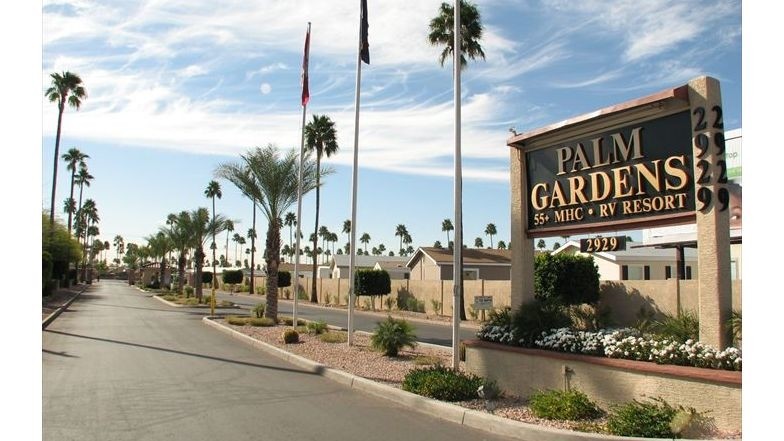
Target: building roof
x,y
471,256
342,260
389,265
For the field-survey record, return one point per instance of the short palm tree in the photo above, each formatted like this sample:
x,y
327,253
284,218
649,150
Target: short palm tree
x,y
271,179
442,32
321,138
491,231
75,159
179,234
66,88
82,179
478,242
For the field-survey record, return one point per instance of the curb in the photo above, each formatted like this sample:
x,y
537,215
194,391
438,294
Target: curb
x,y
439,409
50,318
176,305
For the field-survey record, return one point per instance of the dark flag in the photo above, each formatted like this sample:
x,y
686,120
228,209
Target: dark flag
x,y
364,48
305,91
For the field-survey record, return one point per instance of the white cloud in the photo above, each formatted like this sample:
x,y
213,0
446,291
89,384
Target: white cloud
x,y
265,88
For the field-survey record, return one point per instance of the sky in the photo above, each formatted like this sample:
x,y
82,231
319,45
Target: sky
x,y
177,88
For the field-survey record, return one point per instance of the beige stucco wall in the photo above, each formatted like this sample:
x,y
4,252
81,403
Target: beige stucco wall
x,y
520,374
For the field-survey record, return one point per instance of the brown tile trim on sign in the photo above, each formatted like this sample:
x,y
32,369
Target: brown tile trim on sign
x,y
688,372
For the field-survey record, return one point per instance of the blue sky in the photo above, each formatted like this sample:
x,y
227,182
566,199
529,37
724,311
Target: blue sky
x,y
176,88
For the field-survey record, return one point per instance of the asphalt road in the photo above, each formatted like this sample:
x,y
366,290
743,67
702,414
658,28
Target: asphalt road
x,y
119,365
433,333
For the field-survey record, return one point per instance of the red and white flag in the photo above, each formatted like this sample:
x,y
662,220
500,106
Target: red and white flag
x,y
305,91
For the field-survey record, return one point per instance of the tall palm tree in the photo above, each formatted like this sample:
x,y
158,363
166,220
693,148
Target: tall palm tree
x,y
491,231
446,225
229,230
73,158
83,177
401,231
290,220
179,234
321,138
364,239
66,88
442,32
119,246
236,239
407,240
201,228
271,179
89,217
214,190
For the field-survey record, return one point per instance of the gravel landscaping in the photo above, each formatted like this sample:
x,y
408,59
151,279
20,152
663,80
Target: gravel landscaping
x,y
361,360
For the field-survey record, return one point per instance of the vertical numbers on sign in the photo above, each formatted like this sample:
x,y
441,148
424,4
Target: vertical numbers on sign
x,y
704,195
705,175
701,124
718,123
701,142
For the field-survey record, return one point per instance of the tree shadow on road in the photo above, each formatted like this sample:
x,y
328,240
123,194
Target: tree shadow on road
x,y
317,371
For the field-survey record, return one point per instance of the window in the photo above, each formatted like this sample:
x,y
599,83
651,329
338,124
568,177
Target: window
x,y
635,272
688,273
668,272
470,274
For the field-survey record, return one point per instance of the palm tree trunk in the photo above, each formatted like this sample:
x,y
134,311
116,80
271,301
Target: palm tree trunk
x,y
199,255
56,156
70,214
273,261
181,272
214,246
252,248
313,293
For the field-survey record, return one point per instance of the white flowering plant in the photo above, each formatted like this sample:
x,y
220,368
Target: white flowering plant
x,y
625,343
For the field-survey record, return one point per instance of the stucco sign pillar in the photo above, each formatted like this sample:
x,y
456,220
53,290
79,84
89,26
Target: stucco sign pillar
x,y
653,161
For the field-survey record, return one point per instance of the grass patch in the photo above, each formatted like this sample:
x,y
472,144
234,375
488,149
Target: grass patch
x,y
569,405
333,337
426,360
237,321
263,321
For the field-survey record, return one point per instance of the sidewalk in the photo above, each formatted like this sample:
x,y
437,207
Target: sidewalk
x,y
58,301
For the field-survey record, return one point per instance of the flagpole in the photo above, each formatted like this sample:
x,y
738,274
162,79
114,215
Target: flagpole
x,y
352,245
458,247
299,184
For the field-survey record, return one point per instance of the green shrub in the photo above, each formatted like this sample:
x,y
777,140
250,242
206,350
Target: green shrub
x,y
369,282
288,321
643,419
442,383
261,321
258,310
683,327
261,290
590,317
436,306
188,291
170,297
290,336
317,328
565,279
391,335
237,321
232,277
206,277
333,337
536,317
734,328
206,300
562,405
193,301
414,305
284,279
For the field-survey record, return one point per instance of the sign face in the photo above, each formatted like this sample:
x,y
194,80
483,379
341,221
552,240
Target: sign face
x,y
600,244
483,302
623,175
